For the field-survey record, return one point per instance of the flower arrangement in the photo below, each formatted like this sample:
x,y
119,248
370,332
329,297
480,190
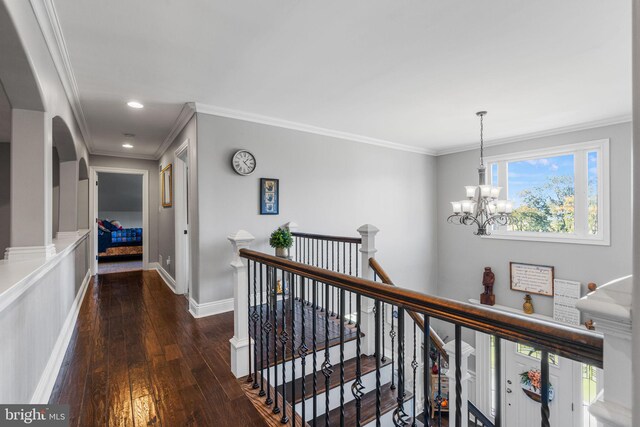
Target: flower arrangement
x,y
531,384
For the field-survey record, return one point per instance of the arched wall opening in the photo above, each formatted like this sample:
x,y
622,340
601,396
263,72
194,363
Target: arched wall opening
x,y
5,172
65,179
83,194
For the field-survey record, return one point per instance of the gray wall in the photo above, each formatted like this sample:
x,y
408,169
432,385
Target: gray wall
x,y
120,198
166,217
5,197
327,186
462,256
154,200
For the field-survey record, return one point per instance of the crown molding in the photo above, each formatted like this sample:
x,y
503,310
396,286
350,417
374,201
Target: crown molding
x,y
47,18
188,110
272,121
126,155
540,134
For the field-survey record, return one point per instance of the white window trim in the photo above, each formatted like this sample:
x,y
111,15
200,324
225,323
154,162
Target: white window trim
x,y
581,171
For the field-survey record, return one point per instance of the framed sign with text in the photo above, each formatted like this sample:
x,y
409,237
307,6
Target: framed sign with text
x,y
531,278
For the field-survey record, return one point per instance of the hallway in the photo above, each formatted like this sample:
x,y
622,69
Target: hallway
x,y
137,358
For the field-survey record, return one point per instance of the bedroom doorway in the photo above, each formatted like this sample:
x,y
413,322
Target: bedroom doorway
x,y
120,209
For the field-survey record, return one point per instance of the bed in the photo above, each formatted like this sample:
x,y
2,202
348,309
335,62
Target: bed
x,y
116,241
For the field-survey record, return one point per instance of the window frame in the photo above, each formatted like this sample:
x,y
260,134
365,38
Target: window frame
x,y
580,151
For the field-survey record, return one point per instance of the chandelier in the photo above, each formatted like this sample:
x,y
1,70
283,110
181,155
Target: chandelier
x,y
482,206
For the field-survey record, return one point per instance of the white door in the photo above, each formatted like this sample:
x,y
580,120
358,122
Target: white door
x,y
182,229
523,411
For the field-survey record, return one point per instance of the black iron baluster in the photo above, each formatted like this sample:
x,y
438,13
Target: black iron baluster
x,y
302,352
498,393
414,366
314,319
350,293
326,365
262,331
268,328
357,261
392,334
341,310
255,317
458,346
357,387
426,369
292,291
399,415
276,408
376,310
250,376
384,319
283,341
544,388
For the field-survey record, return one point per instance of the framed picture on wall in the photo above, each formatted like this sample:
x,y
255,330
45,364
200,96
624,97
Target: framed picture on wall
x,y
166,184
269,196
531,278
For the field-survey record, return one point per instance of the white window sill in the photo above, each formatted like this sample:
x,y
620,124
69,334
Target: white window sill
x,y
570,239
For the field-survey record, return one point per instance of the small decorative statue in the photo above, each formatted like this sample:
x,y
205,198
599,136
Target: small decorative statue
x,y
279,287
488,279
527,307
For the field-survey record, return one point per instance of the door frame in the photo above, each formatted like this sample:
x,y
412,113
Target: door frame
x,y
181,220
93,207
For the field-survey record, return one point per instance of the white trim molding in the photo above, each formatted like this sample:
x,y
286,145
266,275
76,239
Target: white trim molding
x,y
49,23
188,110
51,371
93,211
166,277
539,134
24,253
210,308
215,110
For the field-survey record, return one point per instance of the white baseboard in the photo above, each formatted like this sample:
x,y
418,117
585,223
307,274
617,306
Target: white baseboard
x,y
170,281
210,308
50,373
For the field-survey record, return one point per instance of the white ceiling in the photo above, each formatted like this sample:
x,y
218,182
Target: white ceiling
x,y
409,72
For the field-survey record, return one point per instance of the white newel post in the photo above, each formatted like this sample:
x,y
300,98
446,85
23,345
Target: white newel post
x,y
292,227
367,317
240,343
609,306
467,351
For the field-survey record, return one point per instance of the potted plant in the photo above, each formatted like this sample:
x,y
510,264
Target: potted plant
x,y
281,239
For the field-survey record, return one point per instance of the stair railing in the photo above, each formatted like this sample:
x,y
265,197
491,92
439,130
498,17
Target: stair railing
x,y
433,354
297,331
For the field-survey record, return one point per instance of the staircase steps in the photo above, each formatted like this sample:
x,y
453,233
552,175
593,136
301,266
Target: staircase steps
x,y
388,404
367,365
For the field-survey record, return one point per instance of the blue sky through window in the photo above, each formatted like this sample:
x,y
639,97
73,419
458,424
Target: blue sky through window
x,y
529,174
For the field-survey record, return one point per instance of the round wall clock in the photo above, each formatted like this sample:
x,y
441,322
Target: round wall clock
x,y
243,162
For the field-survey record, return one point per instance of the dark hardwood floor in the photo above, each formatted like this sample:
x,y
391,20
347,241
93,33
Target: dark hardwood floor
x,y
138,358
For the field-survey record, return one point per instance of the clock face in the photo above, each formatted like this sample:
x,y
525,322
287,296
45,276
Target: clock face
x,y
243,162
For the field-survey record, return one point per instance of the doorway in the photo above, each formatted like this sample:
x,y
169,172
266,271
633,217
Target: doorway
x,y
119,201
181,218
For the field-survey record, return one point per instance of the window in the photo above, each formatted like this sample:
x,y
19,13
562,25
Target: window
x,y
558,194
535,354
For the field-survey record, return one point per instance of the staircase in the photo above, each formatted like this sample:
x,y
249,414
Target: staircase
x,y
325,338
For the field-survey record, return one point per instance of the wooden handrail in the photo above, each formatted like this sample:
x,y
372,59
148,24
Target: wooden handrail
x,y
357,240
435,338
575,344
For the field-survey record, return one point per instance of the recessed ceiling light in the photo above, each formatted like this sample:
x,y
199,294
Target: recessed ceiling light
x,y
127,145
134,104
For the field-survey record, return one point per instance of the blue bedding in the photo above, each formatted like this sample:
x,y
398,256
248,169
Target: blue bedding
x,y
123,237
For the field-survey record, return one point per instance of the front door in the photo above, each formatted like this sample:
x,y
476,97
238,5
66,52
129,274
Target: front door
x,y
521,408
